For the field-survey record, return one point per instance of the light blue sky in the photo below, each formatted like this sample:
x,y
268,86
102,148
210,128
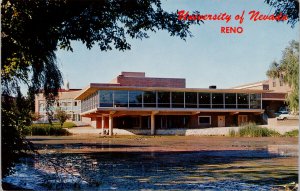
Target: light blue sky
x,y
208,58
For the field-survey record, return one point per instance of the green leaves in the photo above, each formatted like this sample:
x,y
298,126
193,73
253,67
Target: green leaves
x,y
288,68
32,30
61,116
286,7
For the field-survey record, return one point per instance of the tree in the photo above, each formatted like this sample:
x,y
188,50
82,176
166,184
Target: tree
x,y
286,7
61,115
33,30
15,115
288,69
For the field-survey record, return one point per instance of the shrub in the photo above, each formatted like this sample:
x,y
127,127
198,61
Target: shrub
x,y
62,116
252,130
46,130
232,133
55,124
294,133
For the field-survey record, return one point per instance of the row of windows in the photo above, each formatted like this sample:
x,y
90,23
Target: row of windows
x,y
66,105
281,81
91,102
154,99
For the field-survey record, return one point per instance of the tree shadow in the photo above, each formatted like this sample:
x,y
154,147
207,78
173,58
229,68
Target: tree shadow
x,y
164,169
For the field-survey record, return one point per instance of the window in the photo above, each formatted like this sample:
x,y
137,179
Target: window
x,y
274,84
190,99
217,100
204,120
281,80
41,107
255,101
230,100
177,99
163,99
243,100
120,98
135,98
75,103
150,99
204,100
281,83
106,98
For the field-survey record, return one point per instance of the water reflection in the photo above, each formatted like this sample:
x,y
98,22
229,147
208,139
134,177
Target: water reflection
x,y
212,170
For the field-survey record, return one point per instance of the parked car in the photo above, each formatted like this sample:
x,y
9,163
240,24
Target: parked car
x,y
277,114
286,116
282,110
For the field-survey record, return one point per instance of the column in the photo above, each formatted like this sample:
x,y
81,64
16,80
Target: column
x,y
110,126
102,124
152,124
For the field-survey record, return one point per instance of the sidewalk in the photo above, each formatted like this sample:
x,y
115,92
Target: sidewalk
x,y
84,130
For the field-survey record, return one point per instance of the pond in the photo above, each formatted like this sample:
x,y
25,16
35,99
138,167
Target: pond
x,y
201,170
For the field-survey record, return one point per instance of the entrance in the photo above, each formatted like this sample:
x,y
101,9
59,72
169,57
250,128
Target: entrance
x,y
221,121
242,119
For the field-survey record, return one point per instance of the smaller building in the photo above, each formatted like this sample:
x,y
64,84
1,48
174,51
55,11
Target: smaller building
x,y
65,101
274,99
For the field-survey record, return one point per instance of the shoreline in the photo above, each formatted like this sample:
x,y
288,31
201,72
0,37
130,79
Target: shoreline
x,y
94,144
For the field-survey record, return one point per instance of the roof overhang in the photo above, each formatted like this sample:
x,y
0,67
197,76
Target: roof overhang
x,y
120,111
273,99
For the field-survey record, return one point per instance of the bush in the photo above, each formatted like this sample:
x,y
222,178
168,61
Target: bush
x,y
294,133
46,130
232,133
252,130
55,124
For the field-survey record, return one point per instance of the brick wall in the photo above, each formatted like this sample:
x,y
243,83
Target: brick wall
x,y
274,96
151,82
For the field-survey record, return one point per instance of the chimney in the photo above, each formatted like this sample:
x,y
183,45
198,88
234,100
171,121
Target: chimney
x,y
67,85
212,87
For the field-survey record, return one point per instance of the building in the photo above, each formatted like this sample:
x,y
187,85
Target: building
x,y
134,101
65,101
274,99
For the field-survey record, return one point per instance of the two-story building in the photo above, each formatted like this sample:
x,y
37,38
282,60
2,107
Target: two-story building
x,y
134,101
65,101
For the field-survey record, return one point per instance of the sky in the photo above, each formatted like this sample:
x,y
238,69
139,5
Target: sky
x,y
208,58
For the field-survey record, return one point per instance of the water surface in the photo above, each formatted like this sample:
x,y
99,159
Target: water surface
x,y
202,170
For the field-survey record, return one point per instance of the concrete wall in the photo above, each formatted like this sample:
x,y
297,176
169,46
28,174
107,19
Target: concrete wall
x,y
205,132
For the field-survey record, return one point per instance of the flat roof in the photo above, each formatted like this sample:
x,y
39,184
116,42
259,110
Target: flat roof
x,y
266,82
93,87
